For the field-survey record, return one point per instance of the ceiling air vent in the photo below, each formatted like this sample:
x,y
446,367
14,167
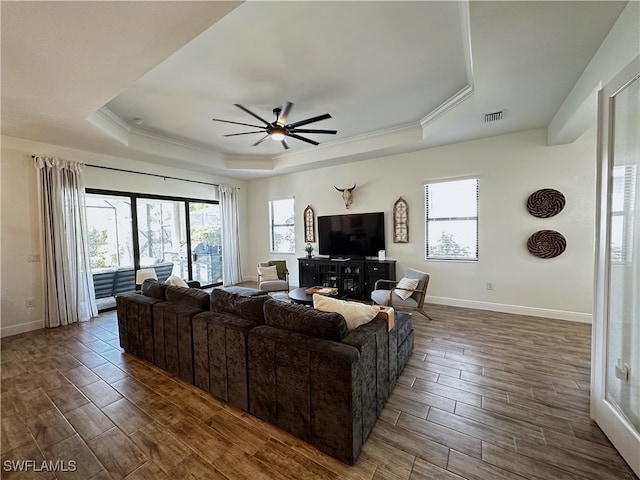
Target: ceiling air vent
x,y
493,117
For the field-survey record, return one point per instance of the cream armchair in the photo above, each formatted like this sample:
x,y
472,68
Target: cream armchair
x,y
273,276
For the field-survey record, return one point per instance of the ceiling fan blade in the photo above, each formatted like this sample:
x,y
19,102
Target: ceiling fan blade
x,y
244,109
245,133
284,113
309,120
237,123
260,141
285,144
310,130
308,140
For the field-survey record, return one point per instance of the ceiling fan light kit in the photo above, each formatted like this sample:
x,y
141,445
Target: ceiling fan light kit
x,y
279,129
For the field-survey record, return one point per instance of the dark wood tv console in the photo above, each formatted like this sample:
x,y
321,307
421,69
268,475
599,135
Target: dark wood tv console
x,y
353,278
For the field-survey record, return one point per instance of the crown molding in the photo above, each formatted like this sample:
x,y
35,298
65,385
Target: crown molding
x,y
111,124
468,90
249,162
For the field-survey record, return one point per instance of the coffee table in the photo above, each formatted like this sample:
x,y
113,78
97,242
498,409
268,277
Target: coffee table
x,y
299,296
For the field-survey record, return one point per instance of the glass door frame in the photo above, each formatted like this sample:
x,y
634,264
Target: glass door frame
x,y
134,217
618,429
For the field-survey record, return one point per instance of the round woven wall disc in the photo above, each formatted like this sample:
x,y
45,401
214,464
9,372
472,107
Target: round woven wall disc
x,y
545,203
546,244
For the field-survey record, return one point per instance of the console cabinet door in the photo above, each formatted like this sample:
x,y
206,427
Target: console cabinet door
x,y
375,272
351,277
307,272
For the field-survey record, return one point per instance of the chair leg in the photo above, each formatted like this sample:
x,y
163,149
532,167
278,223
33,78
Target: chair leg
x,y
426,314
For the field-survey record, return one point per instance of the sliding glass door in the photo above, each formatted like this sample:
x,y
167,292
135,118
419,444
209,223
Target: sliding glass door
x,y
206,242
110,231
162,237
174,236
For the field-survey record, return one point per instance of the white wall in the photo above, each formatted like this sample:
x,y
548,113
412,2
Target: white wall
x,y
20,237
510,168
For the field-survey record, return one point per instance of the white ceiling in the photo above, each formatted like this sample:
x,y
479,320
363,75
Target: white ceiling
x,y
395,76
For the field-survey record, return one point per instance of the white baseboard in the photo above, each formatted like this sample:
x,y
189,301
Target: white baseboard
x,y
22,328
516,309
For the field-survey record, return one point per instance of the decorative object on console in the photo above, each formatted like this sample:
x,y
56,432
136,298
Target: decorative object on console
x,y
309,225
347,195
401,221
545,203
309,249
279,129
546,244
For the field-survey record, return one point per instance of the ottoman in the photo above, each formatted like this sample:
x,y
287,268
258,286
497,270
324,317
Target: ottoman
x,y
244,291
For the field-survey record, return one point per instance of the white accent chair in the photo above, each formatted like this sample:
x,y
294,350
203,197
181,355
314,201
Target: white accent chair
x,y
274,285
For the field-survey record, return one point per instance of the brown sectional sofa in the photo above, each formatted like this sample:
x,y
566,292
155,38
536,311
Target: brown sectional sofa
x,y
220,345
290,365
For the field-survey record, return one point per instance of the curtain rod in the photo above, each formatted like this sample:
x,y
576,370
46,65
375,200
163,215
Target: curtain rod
x,y
148,174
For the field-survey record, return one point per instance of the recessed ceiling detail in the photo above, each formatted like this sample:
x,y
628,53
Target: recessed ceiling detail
x,y
396,76
368,63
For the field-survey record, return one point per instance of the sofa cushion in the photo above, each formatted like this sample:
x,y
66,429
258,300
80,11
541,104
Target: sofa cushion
x,y
188,296
247,308
305,320
354,313
154,289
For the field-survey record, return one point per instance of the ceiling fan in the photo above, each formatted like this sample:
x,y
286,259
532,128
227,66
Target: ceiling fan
x,y
279,129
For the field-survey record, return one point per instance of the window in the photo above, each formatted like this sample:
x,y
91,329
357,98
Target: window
x,y
162,234
176,236
281,220
622,213
451,223
110,232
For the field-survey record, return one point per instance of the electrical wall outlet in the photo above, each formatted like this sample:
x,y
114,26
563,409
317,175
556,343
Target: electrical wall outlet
x,y
33,257
30,302
489,285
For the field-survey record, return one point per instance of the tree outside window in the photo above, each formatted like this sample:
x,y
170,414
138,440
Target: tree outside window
x,y
451,223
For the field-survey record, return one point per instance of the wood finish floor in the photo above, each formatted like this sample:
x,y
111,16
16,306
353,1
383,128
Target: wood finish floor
x,y
484,396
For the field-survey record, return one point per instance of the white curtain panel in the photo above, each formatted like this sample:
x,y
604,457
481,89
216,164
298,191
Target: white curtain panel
x,y
231,267
68,284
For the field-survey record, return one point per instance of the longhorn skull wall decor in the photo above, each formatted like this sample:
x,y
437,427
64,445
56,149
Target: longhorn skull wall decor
x,y
347,195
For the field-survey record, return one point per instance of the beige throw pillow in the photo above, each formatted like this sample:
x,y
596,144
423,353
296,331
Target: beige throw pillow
x,y
409,283
268,273
354,313
176,281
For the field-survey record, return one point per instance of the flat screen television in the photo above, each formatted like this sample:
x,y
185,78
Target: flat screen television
x,y
353,235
